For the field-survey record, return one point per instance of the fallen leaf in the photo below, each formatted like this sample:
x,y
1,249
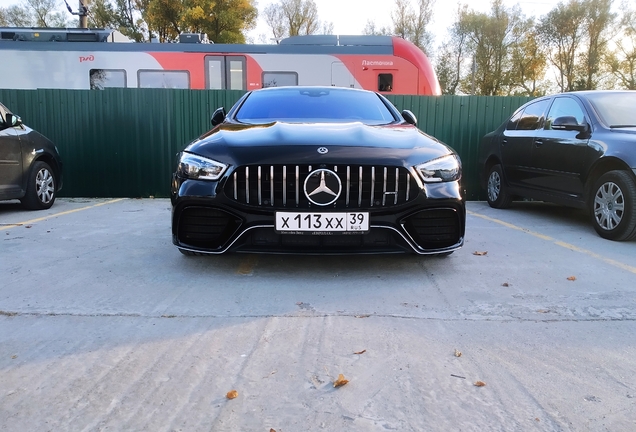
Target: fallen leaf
x,y
572,278
14,356
480,384
28,226
232,394
480,253
360,352
272,430
505,284
458,353
543,310
340,381
362,316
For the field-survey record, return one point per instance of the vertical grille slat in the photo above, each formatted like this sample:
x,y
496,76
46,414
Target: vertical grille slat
x,y
362,186
247,185
259,186
384,188
348,185
297,183
271,185
372,187
284,186
397,186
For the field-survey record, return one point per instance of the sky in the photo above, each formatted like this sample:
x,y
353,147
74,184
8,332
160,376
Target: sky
x,y
349,17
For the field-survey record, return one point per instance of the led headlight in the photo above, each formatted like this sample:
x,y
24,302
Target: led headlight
x,y
443,169
200,168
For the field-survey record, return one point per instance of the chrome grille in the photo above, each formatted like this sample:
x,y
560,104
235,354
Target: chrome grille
x,y
282,186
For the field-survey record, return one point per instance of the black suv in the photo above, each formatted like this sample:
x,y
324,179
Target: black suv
x,y
576,149
30,165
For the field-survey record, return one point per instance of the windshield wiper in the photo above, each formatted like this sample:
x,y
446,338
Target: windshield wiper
x,y
622,126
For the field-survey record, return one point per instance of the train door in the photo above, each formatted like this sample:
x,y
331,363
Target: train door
x,y
225,73
341,76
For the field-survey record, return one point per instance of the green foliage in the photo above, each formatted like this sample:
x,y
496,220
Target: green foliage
x,y
34,13
622,61
294,18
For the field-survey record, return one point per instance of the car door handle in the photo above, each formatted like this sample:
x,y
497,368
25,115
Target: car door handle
x,y
538,143
504,141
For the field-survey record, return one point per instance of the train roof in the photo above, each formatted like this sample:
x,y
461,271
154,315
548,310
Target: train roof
x,y
34,38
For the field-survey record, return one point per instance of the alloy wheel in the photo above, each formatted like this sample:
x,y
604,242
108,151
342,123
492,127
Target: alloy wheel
x,y
494,186
609,206
45,185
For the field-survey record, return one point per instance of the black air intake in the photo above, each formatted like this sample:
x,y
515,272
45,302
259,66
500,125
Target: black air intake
x,y
434,229
205,227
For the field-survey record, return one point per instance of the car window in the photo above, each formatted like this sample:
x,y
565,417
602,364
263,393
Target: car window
x,y
616,109
316,105
533,116
514,120
564,106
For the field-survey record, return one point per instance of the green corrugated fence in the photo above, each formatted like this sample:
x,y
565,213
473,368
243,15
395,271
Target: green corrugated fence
x,y
123,142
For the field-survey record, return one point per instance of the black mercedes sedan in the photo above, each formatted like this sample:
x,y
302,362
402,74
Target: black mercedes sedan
x,y
575,149
30,165
317,170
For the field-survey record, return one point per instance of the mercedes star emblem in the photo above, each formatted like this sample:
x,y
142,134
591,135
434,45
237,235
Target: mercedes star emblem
x,y
323,150
323,187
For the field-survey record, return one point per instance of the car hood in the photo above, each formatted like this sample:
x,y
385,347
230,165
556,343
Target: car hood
x,y
293,143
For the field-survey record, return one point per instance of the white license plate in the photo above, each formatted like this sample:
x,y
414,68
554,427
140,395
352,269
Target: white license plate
x,y
322,222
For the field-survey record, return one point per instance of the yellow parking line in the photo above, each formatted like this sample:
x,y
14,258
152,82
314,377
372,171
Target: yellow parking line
x,y
558,242
32,221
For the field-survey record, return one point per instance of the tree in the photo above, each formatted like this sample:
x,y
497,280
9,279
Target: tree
x,y
452,57
562,30
411,25
490,40
371,29
34,13
528,61
596,26
102,14
293,18
622,61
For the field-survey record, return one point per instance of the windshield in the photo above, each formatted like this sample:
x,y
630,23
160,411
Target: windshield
x,y
316,105
616,109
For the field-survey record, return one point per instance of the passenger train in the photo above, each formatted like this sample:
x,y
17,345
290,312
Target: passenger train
x,y
33,58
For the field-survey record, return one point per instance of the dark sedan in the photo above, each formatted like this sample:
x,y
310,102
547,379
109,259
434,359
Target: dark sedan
x,y
576,149
317,170
30,165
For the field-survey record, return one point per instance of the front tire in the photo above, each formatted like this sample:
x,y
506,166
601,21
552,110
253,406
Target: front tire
x,y
613,206
41,188
497,191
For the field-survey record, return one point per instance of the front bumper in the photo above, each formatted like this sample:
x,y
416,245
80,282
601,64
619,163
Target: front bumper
x,y
205,221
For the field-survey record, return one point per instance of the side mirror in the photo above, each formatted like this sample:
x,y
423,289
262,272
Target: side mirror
x,y
409,117
568,123
218,116
13,120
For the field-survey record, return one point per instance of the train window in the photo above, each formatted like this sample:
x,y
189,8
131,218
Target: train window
x,y
385,82
236,73
279,79
104,78
215,77
164,79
